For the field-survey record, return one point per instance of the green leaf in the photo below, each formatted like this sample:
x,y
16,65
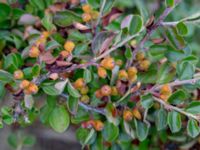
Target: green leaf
x,y
66,18
36,70
157,52
72,91
193,128
169,3
185,70
40,5
72,104
165,73
59,119
110,132
2,90
128,53
133,23
28,101
129,130
80,116
47,22
147,101
161,121
87,75
182,28
108,6
142,130
29,140
5,11
177,97
50,90
90,137
94,3
84,136
5,77
174,121
194,108
12,140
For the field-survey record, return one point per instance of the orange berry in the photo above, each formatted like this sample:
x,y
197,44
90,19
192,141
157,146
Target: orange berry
x,y
123,75
164,97
166,90
69,46
114,91
127,115
144,64
18,74
86,8
136,114
132,71
84,90
98,125
64,53
34,52
79,83
108,63
106,90
27,92
140,56
45,34
94,14
54,76
98,94
32,88
102,72
24,84
85,99
86,17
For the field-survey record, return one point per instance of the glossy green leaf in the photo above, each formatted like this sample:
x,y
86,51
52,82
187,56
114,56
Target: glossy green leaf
x,y
142,130
193,129
177,97
169,3
147,101
47,23
5,77
194,107
174,121
182,28
161,121
5,11
66,18
59,119
110,132
72,104
87,75
72,91
50,90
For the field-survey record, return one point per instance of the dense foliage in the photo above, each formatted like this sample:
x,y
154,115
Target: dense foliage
x,y
125,72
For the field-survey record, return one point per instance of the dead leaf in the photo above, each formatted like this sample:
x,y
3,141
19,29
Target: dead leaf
x,y
80,26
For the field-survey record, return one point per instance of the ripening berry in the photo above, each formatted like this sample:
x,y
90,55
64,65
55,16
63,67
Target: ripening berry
x,y
144,64
69,46
123,75
86,8
166,89
132,71
108,63
64,53
18,74
133,79
133,43
94,14
45,34
85,99
106,90
127,115
24,84
86,17
34,52
84,90
98,94
54,76
136,114
114,91
102,72
98,125
164,97
140,56
33,88
79,83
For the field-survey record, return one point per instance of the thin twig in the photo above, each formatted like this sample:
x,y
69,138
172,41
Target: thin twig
x,y
101,12
171,107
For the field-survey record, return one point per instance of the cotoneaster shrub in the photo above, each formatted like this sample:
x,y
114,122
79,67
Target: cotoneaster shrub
x,y
125,78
